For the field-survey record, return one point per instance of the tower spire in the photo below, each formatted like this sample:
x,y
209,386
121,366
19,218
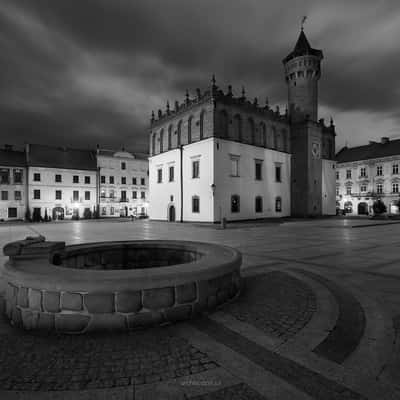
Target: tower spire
x,y
302,22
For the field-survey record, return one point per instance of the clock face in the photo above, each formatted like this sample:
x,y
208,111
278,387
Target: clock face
x,y
316,149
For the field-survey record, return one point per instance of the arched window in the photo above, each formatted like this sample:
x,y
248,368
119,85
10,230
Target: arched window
x,y
153,144
202,124
261,138
170,137
259,204
189,129
161,140
274,143
235,203
251,130
195,204
178,133
237,128
223,124
278,204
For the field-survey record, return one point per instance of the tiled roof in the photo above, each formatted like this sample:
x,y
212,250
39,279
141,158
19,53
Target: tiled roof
x,y
61,157
302,48
370,151
12,158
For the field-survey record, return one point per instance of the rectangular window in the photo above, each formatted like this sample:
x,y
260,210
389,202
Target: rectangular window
x,y
348,173
159,175
195,204
395,169
75,179
363,188
36,177
87,180
57,178
234,166
379,188
258,170
143,181
17,176
103,179
123,180
278,175
395,188
259,204
348,190
87,195
112,195
337,175
12,212
111,210
195,169
363,172
36,194
102,193
111,180
75,195
337,191
123,195
58,195
4,195
123,165
17,195
4,176
171,174
103,211
379,171
134,181
134,195
142,195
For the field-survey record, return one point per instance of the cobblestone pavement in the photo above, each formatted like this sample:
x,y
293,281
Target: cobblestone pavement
x,y
235,392
276,303
37,362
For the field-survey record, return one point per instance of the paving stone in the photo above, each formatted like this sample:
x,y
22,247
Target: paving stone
x,y
35,299
51,301
99,302
155,299
128,302
71,301
186,293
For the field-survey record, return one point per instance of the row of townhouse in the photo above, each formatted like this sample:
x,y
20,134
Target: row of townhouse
x,y
367,173
60,183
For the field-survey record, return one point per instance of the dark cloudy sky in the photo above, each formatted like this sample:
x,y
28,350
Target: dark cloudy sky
x,y
90,71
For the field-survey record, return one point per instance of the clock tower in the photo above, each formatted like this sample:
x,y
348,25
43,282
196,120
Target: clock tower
x,y
309,136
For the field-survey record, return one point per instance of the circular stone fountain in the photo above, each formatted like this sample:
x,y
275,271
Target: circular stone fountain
x,y
115,285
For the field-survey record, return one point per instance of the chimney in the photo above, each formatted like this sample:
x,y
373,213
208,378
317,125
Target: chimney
x,y
384,140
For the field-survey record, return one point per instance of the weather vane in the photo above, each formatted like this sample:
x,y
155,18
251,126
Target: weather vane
x,y
302,22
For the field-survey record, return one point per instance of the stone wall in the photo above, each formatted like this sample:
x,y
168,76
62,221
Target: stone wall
x,y
78,312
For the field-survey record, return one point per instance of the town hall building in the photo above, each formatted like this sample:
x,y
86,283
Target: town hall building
x,y
218,156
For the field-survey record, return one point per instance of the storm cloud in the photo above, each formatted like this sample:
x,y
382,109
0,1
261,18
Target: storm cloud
x,y
88,72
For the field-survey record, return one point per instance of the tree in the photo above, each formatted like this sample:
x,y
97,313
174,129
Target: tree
x,y
379,207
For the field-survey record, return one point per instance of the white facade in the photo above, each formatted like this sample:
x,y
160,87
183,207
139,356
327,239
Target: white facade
x,y
226,185
62,193
12,192
360,183
123,184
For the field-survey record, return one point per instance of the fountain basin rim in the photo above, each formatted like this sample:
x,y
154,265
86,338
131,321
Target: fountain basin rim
x,y
216,260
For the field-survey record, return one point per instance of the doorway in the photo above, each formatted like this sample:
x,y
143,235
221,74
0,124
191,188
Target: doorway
x,y
171,214
362,208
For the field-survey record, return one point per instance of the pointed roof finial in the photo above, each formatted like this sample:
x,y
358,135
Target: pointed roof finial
x,y
331,121
266,102
243,93
213,81
167,107
152,116
187,96
230,90
302,22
